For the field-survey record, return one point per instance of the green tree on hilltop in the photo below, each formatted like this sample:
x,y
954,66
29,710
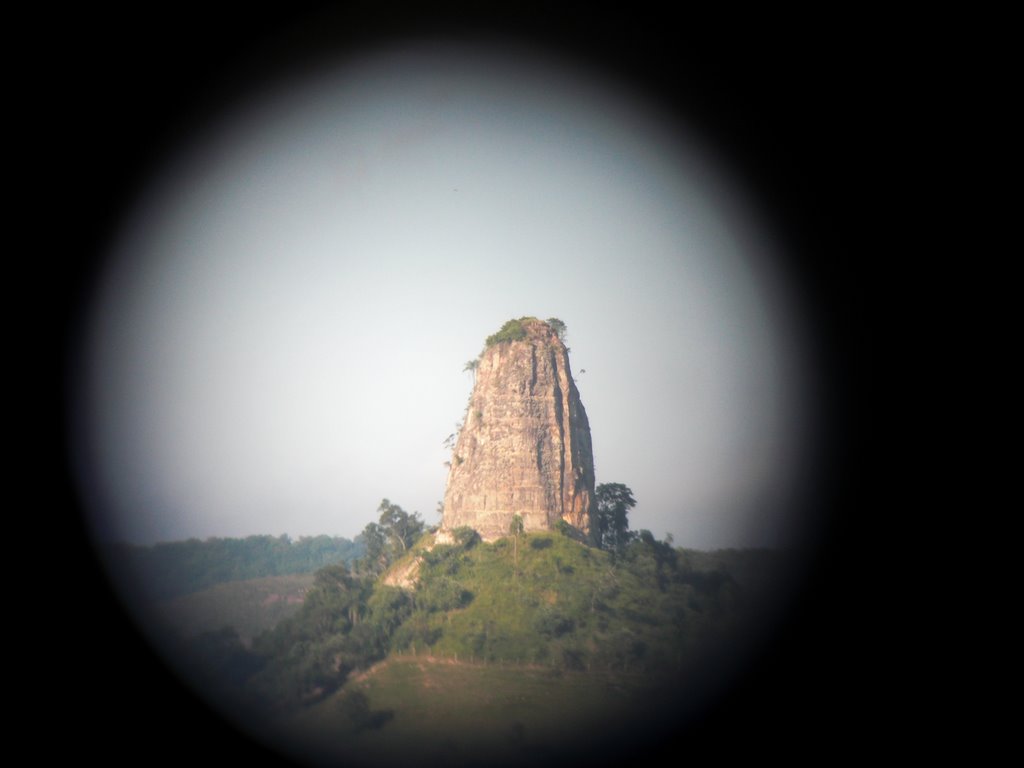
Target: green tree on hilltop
x,y
611,518
389,538
402,528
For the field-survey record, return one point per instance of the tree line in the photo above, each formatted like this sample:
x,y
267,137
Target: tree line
x,y
630,603
171,569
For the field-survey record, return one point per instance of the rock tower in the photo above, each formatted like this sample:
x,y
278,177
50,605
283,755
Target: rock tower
x,y
524,447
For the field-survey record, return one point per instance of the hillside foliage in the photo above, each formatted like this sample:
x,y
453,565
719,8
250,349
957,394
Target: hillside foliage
x,y
394,533
540,599
559,603
606,623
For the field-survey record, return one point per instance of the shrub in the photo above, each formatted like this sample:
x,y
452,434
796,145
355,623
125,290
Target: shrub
x,y
466,537
552,624
573,658
513,330
443,595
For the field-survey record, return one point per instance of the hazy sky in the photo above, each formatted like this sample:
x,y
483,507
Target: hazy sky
x,y
279,339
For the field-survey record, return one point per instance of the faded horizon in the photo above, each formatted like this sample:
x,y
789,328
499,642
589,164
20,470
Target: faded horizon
x,y
277,341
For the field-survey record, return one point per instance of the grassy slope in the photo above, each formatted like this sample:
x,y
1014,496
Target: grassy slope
x,y
250,606
556,600
489,680
443,712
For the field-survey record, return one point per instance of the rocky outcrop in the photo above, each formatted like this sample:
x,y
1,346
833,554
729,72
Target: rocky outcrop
x,y
404,574
524,447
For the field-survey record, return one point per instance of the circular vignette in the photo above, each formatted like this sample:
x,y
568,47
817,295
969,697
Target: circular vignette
x,y
826,481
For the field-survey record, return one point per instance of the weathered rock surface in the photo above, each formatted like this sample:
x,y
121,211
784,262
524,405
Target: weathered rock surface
x,y
524,448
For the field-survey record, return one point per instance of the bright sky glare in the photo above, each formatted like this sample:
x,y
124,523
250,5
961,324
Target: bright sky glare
x,y
278,340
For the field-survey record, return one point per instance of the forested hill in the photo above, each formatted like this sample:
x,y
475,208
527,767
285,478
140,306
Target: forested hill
x,y
181,567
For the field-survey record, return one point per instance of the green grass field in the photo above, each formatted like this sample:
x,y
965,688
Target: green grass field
x,y
441,712
249,606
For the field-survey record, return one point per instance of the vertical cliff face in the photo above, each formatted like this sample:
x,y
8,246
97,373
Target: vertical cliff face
x,y
524,448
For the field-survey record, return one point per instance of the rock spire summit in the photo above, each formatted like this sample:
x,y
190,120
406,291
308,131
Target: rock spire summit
x,y
524,447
